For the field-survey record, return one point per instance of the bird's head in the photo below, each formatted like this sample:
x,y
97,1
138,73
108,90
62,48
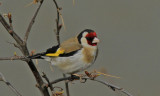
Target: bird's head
x,y
88,37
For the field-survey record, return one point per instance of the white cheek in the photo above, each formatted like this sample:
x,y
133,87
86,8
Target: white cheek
x,y
84,34
83,41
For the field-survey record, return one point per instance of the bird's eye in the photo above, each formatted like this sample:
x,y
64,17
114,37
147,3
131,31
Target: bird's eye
x,y
89,38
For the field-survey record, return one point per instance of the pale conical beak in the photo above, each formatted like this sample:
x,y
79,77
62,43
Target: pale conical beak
x,y
95,40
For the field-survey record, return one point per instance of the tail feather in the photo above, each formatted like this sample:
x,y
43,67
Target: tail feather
x,y
37,56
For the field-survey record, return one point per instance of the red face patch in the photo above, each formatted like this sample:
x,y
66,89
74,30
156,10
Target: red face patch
x,y
90,36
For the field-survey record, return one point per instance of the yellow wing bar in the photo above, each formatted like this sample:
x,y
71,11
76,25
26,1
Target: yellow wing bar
x,y
58,52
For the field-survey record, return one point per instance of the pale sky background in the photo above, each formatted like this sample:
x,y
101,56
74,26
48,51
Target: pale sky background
x,y
129,31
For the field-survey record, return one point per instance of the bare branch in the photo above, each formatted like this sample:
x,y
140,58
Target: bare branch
x,y
10,31
46,78
57,22
14,58
32,22
2,78
13,88
15,45
23,47
113,87
67,86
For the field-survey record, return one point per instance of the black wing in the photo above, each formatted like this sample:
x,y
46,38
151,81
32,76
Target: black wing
x,y
50,50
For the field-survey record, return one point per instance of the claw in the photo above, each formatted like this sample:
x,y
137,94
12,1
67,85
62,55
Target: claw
x,y
92,75
80,76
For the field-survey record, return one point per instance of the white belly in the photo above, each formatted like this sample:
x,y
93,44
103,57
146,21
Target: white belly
x,y
71,64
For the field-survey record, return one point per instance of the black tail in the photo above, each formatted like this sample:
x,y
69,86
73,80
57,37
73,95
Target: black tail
x,y
37,56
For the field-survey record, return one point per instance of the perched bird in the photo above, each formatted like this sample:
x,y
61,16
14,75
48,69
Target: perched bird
x,y
73,55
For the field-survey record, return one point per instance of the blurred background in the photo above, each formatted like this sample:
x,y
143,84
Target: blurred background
x,y
129,31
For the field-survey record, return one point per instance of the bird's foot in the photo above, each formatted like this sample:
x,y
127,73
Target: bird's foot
x,y
78,76
92,75
95,74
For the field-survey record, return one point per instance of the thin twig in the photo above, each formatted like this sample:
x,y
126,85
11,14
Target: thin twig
x,y
57,22
32,22
15,45
13,88
14,58
113,87
2,78
66,85
46,78
10,31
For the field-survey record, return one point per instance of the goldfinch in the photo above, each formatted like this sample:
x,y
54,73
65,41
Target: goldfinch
x,y
73,55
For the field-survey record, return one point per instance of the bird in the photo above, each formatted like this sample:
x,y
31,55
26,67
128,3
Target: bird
x,y
73,55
